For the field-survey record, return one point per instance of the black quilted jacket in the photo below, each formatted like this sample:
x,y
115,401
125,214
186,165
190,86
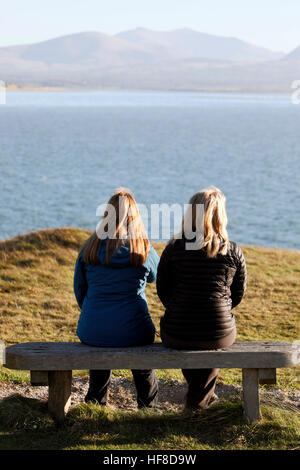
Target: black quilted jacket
x,y
199,292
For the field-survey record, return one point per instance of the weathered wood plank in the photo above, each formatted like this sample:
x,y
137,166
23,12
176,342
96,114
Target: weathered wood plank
x,y
251,395
267,376
60,382
65,356
38,377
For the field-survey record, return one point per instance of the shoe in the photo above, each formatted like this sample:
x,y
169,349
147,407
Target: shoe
x,y
148,407
213,399
194,408
90,399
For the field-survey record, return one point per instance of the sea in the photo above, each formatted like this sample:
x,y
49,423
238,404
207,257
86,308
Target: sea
x,y
63,153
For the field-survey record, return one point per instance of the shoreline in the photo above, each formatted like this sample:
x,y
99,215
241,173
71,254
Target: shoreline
x,y
32,88
24,235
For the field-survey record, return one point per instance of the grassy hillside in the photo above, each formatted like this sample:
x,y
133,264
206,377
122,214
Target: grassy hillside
x,y
37,304
37,301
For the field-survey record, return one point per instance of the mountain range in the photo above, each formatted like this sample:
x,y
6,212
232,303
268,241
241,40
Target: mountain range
x,y
181,59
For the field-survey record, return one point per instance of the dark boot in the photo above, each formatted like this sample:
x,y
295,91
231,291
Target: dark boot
x,y
98,387
146,387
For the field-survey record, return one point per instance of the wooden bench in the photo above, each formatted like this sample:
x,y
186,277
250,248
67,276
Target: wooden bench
x,y
52,364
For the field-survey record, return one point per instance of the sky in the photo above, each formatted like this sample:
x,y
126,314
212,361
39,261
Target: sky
x,y
273,24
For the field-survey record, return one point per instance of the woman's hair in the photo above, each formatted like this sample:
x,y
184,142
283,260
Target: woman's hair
x,y
215,236
121,225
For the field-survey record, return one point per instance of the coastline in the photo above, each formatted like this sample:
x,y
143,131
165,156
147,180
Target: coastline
x,y
66,89
160,244
13,87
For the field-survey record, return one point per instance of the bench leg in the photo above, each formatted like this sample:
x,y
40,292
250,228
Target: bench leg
x,y
39,377
251,395
267,376
60,382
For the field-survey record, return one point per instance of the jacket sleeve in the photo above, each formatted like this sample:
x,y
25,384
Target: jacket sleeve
x,y
152,263
239,283
80,282
164,284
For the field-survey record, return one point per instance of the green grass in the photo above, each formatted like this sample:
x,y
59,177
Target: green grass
x,y
26,424
37,304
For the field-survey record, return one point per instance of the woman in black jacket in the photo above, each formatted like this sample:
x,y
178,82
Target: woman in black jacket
x,y
199,281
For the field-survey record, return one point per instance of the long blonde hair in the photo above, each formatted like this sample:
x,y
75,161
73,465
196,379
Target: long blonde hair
x,y
128,228
215,236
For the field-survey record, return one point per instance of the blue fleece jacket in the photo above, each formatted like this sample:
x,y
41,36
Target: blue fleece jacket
x,y
114,310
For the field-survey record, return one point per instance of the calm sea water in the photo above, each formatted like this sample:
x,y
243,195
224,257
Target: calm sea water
x,y
62,154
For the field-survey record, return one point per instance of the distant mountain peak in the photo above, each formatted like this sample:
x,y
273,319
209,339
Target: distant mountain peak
x,y
184,43
145,59
294,55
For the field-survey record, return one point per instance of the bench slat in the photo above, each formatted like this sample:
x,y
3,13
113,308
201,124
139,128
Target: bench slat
x,y
70,356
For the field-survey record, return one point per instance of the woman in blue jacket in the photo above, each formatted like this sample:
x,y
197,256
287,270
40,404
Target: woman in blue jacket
x,y
111,272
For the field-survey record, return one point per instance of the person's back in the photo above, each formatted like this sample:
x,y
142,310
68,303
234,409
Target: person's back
x,y
114,311
199,291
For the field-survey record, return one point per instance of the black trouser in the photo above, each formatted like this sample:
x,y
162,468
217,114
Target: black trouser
x,y
145,383
201,386
201,382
